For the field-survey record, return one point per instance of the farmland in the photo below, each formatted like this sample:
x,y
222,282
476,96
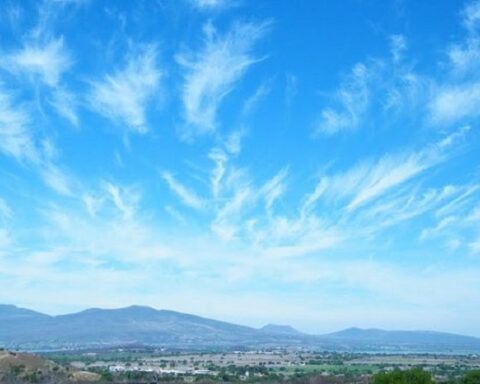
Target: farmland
x,y
260,365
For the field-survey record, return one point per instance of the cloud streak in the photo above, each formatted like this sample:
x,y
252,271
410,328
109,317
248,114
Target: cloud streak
x,y
48,62
212,72
186,196
124,95
16,138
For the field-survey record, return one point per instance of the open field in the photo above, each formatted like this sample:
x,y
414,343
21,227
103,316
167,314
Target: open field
x,y
262,364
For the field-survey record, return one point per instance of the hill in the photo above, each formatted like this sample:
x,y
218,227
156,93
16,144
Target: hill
x,y
24,329
280,330
25,362
375,339
26,367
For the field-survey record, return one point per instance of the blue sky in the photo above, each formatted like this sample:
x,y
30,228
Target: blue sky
x,y
314,163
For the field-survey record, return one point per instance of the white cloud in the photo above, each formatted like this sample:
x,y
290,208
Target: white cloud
x,y
211,4
229,215
124,200
313,197
233,142
48,61
92,204
372,181
56,179
465,58
398,45
177,216
440,227
16,139
114,233
260,93
231,191
65,104
399,206
359,202
211,73
274,188
456,102
186,196
471,16
378,93
458,202
353,98
457,95
368,181
124,95
220,159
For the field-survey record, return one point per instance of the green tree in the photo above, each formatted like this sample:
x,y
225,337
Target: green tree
x,y
472,377
411,376
107,376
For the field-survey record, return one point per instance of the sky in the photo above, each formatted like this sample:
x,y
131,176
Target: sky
x,y
312,163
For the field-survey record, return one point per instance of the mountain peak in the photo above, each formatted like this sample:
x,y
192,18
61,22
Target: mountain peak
x,y
280,329
138,308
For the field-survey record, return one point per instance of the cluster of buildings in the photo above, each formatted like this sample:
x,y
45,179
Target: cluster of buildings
x,y
156,369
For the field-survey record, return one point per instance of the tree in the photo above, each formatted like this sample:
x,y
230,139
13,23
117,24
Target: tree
x,y
411,376
472,377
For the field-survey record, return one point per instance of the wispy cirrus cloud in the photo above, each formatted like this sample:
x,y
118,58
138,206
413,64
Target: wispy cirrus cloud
x,y
456,102
398,45
56,178
457,97
368,181
79,232
65,103
125,200
260,93
16,139
471,16
124,95
380,87
274,188
46,61
186,196
363,200
212,4
438,228
19,141
353,98
230,214
212,72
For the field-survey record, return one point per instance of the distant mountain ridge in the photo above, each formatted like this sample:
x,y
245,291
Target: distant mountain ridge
x,y
280,329
25,329
429,340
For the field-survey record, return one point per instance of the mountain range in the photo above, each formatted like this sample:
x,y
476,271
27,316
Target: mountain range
x,y
25,329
